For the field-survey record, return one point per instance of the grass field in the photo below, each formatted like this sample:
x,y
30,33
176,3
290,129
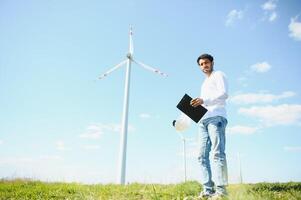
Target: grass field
x,y
29,189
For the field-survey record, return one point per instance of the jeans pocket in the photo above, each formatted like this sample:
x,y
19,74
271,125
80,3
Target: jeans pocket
x,y
223,121
219,123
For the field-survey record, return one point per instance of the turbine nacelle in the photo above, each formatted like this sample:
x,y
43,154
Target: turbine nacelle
x,y
129,56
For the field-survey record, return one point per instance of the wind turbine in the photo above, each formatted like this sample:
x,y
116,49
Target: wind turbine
x,y
123,140
181,124
184,155
240,171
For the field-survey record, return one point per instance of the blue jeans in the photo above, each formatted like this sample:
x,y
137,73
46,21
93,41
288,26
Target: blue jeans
x,y
212,138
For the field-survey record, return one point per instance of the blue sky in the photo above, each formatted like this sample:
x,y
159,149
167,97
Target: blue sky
x,y
59,124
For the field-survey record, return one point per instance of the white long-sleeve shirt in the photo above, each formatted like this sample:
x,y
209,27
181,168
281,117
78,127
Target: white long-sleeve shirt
x,y
214,93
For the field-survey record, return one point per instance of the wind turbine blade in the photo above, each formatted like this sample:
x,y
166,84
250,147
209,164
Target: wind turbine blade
x,y
112,69
157,71
131,45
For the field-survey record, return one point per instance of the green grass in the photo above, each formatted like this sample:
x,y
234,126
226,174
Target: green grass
x,y
28,189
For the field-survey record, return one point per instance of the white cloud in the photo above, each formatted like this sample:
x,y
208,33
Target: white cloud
x,y
269,8
233,16
90,147
16,160
284,114
269,5
292,148
94,131
1,142
144,115
244,130
273,16
261,67
60,145
251,98
51,158
295,29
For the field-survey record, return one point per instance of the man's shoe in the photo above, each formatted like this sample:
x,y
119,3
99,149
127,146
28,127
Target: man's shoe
x,y
205,195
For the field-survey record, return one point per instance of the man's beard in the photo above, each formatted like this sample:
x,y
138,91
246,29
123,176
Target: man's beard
x,y
208,70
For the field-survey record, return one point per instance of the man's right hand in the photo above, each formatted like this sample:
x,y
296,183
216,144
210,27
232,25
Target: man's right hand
x,y
196,102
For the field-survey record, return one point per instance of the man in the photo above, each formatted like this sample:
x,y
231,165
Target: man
x,y
214,93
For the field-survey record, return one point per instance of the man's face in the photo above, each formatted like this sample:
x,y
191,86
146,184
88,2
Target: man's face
x,y
206,65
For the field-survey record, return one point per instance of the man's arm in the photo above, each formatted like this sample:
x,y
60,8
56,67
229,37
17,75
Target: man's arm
x,y
221,93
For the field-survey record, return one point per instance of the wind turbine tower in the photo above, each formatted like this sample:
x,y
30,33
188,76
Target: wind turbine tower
x,y
184,156
124,124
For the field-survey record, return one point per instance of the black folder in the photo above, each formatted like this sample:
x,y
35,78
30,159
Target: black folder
x,y
195,113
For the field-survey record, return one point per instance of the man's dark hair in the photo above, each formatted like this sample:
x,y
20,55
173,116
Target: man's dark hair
x,y
205,56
